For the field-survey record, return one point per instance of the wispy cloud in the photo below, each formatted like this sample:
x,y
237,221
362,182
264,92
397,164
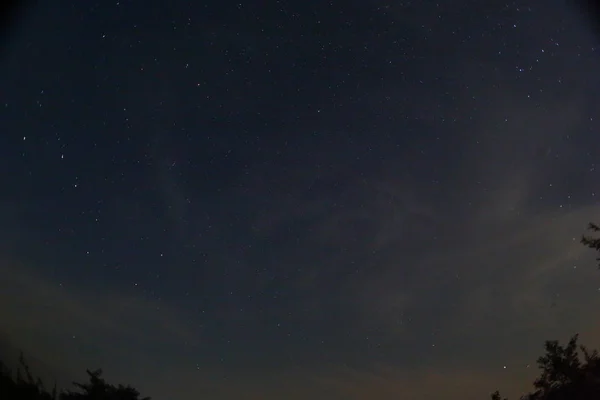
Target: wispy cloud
x,y
38,311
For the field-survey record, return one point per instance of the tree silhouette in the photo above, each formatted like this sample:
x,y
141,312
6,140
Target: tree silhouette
x,y
23,386
98,389
496,396
592,242
565,374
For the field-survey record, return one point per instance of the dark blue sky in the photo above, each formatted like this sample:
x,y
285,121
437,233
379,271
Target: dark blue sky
x,y
299,199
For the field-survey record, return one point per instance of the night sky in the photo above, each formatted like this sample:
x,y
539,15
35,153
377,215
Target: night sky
x,y
298,199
